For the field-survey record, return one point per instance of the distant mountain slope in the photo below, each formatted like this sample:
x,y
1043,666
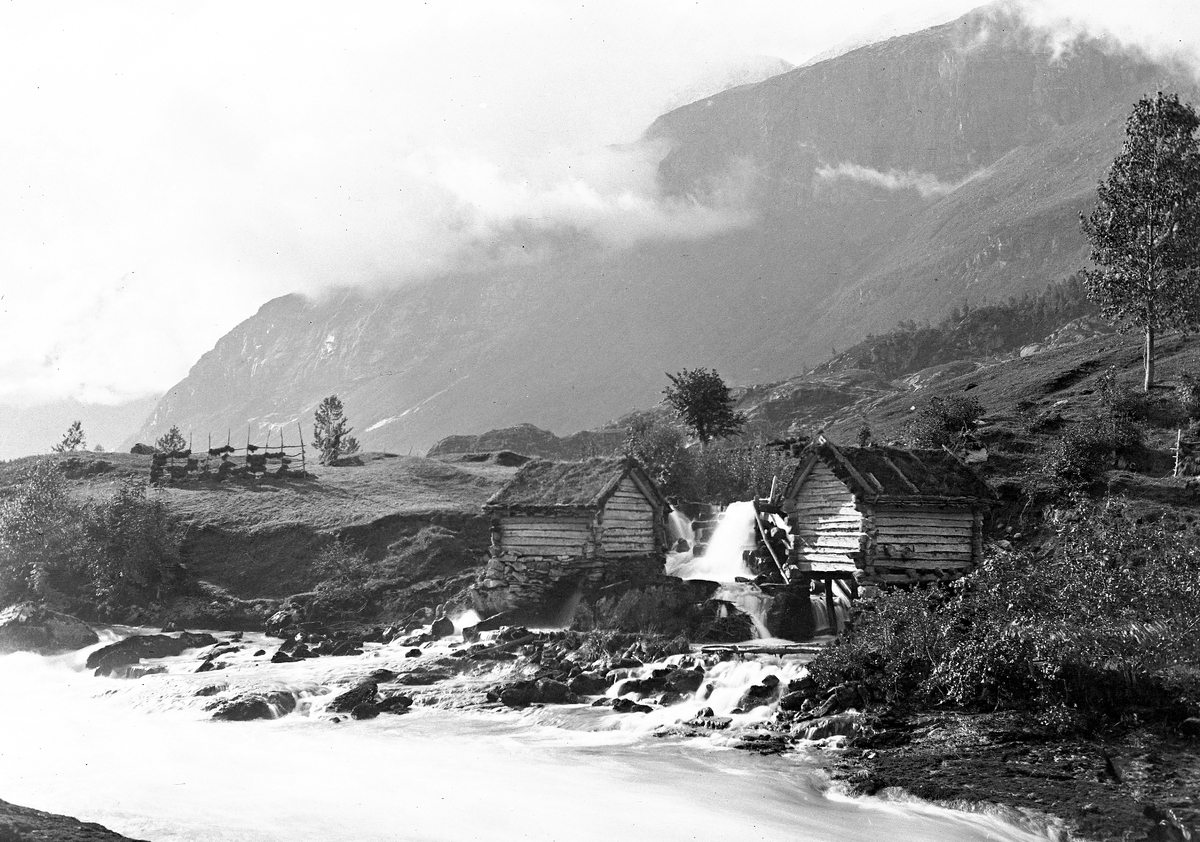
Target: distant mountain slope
x,y
896,181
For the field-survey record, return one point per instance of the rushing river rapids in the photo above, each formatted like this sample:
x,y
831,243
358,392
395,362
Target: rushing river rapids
x,y
144,758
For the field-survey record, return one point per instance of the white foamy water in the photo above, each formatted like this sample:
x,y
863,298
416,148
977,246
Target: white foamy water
x,y
142,758
723,559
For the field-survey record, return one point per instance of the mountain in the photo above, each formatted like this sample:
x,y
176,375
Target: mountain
x,y
722,77
897,181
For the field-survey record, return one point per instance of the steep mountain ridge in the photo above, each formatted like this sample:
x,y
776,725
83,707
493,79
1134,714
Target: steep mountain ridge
x,y
895,181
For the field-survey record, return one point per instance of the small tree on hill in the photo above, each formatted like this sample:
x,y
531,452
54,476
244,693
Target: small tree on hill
x,y
702,401
1145,230
171,441
331,432
72,440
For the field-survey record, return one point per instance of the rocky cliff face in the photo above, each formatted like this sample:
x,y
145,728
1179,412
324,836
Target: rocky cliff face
x,y
893,182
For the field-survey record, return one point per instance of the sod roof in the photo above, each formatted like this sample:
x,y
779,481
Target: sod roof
x,y
570,485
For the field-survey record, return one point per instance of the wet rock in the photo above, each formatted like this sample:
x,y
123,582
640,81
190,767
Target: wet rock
x,y
629,706
760,694
281,657
419,678
133,649
364,710
413,653
838,725
382,676
670,698
518,694
705,719
553,692
604,702
442,627
588,684
211,689
793,702
205,666
364,691
134,671
26,627
804,684
253,706
398,703
259,652
685,681
346,647
1190,727
282,622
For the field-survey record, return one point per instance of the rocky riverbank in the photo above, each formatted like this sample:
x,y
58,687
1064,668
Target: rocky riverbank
x,y
1132,783
1126,783
24,824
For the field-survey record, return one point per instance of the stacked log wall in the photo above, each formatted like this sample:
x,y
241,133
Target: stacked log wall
x,y
546,535
826,523
628,523
922,542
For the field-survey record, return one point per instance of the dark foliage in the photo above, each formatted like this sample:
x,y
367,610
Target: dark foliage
x,y
331,432
171,442
943,422
1103,623
661,448
967,333
103,556
1145,230
702,401
73,439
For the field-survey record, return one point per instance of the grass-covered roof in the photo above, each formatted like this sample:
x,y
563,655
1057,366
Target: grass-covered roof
x,y
894,472
579,485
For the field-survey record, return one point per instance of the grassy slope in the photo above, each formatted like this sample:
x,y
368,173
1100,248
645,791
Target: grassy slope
x,y
415,517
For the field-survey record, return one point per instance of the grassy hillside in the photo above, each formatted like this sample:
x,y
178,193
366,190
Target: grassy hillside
x,y
405,519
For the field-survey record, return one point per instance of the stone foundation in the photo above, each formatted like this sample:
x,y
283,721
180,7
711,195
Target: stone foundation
x,y
541,585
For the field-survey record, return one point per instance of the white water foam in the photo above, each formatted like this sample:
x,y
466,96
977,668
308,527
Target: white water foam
x,y
140,757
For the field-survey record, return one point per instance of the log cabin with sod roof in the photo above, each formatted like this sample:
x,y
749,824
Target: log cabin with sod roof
x,y
559,526
884,515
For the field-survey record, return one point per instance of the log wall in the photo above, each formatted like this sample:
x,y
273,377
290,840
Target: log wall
x,y
826,523
627,524
928,541
546,535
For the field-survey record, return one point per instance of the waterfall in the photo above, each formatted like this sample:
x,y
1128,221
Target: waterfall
x,y
723,559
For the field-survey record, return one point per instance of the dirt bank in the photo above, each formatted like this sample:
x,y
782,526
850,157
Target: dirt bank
x,y
1131,783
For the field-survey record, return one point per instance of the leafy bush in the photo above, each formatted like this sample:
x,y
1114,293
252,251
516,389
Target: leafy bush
x,y
133,548
661,448
345,587
726,474
100,557
944,422
1103,622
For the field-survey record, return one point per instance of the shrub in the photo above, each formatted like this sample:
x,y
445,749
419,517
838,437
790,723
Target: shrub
x,y
661,448
1103,622
345,588
133,548
944,421
726,474
100,558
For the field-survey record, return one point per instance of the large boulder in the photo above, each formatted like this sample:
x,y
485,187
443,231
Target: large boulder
x,y
106,660
270,705
365,692
26,627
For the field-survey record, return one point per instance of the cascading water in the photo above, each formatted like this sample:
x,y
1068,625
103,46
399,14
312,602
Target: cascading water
x,y
723,560
141,757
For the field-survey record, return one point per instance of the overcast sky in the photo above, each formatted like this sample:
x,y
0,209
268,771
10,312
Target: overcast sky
x,y
169,167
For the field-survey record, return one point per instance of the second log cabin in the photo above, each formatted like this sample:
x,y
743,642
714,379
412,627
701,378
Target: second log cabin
x,y
884,515
560,525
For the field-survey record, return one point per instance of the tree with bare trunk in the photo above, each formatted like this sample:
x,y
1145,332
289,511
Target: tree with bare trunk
x,y
1145,229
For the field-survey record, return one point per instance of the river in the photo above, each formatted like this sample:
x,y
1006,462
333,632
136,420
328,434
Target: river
x,y
142,758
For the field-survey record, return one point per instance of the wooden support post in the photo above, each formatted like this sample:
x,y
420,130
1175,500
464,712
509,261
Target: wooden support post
x,y
830,610
1178,451
303,461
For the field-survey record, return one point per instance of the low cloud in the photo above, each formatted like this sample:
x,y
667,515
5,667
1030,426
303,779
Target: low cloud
x,y
925,184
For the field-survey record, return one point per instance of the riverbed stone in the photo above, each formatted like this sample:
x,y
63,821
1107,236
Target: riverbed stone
x,y
396,703
252,706
364,691
364,710
588,684
132,649
27,627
